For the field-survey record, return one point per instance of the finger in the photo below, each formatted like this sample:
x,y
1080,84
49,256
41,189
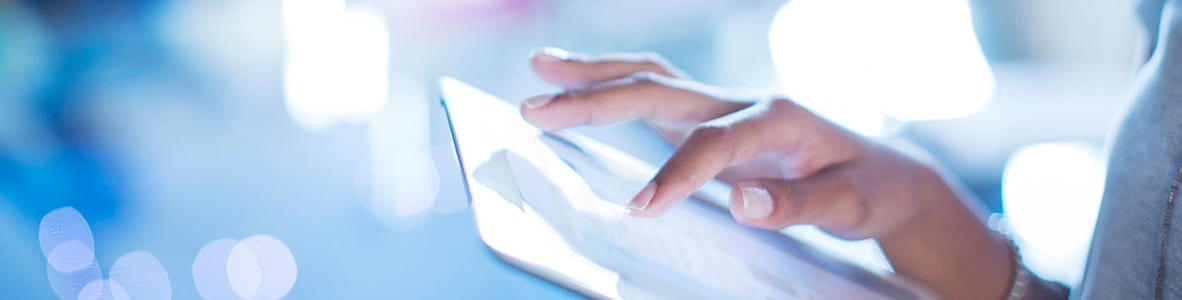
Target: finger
x,y
806,143
655,98
828,199
707,151
574,71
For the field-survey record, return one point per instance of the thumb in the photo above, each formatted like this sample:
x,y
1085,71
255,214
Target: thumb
x,y
827,199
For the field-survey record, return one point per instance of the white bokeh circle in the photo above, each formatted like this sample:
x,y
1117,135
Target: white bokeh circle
x,y
66,240
70,256
142,276
257,267
209,270
100,289
68,246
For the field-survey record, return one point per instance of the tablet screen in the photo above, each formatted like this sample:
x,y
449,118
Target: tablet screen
x,y
554,202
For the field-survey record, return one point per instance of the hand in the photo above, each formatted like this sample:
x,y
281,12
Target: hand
x,y
788,166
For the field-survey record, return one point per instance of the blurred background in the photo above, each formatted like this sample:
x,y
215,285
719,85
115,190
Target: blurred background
x,y
296,147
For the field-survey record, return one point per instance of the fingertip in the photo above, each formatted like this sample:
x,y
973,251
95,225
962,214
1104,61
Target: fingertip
x,y
664,197
648,212
534,112
549,55
536,102
641,201
637,213
558,67
549,63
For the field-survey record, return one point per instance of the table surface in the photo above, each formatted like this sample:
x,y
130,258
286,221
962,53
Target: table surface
x,y
309,190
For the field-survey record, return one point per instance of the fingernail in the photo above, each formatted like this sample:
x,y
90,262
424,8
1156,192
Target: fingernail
x,y
757,202
642,198
550,54
538,101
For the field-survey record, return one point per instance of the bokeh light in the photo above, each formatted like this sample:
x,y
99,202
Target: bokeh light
x,y
68,246
65,227
1052,195
257,267
141,276
100,289
404,179
70,256
909,60
210,273
337,66
68,285
244,272
276,265
74,273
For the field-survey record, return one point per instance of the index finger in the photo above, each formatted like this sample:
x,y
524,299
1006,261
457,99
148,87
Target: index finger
x,y
707,151
806,143
574,70
654,98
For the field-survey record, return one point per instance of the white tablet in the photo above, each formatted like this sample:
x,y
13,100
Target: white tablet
x,y
552,204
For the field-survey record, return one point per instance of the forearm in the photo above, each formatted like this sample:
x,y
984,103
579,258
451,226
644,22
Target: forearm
x,y
946,247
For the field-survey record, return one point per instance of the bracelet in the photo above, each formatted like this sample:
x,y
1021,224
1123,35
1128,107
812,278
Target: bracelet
x,y
1022,277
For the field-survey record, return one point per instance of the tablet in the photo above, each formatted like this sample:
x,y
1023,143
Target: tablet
x,y
553,204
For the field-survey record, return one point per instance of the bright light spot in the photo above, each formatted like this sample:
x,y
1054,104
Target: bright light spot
x,y
276,263
1052,195
67,285
142,276
337,62
244,271
103,290
304,20
75,274
209,270
64,225
237,40
404,178
68,247
406,183
70,256
258,267
858,61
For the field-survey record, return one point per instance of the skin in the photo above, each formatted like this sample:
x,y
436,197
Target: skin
x,y
787,165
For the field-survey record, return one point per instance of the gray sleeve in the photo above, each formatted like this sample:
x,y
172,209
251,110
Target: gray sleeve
x,y
1146,154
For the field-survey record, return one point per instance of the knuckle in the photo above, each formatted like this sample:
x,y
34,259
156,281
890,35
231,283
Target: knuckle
x,y
857,208
568,98
787,209
710,132
861,210
783,105
807,164
648,79
655,63
646,82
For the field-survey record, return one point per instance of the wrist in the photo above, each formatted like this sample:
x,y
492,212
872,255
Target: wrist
x,y
945,245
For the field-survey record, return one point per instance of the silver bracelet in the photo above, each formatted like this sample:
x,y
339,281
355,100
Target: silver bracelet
x,y
1022,277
